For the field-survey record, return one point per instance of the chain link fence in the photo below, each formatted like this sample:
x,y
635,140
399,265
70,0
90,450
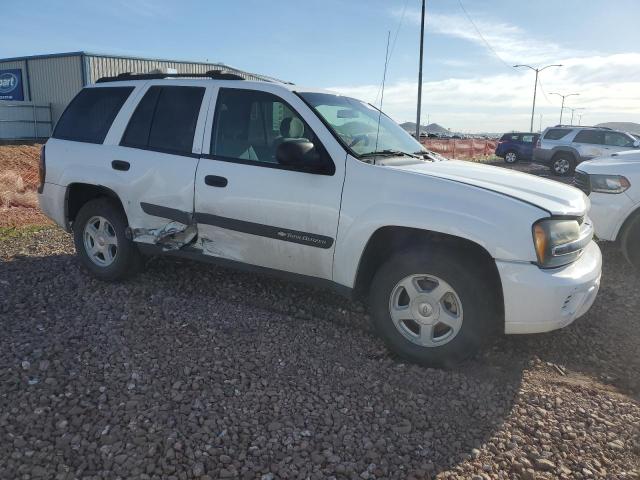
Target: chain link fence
x,y
24,120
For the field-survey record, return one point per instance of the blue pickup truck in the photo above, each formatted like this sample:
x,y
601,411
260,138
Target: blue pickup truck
x,y
514,147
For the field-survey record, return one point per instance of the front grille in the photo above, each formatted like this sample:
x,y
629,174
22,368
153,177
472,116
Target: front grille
x,y
582,182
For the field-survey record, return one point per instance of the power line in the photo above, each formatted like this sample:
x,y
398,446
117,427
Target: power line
x,y
482,37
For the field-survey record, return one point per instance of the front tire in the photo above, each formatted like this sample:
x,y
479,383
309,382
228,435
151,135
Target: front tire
x,y
99,235
562,165
430,307
630,242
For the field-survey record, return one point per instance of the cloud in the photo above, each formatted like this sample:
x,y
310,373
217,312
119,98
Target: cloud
x,y
609,89
609,85
509,42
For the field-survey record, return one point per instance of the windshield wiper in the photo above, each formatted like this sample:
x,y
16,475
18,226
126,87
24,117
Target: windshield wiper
x,y
388,153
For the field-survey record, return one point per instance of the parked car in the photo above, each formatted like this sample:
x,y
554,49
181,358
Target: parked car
x,y
613,186
514,147
321,188
563,147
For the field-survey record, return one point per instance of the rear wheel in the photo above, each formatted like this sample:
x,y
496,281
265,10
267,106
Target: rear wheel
x,y
429,307
101,243
511,157
562,165
630,242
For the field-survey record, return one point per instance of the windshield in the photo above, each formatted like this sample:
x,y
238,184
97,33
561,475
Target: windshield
x,y
356,124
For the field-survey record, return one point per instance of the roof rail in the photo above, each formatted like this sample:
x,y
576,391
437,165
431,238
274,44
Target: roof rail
x,y
213,74
581,126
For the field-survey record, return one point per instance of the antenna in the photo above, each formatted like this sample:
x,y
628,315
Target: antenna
x,y
384,78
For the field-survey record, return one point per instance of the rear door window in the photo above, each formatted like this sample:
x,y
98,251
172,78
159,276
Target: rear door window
x,y
556,133
165,119
91,113
595,137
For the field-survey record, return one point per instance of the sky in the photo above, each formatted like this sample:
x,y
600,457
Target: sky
x,y
469,84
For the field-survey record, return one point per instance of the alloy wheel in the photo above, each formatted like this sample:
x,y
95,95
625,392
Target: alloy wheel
x,y
426,310
100,241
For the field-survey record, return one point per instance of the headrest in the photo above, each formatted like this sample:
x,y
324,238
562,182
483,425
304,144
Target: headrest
x,y
291,127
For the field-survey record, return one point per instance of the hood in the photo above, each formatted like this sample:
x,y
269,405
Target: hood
x,y
615,163
554,197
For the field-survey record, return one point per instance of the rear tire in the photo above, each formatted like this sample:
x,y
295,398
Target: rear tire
x,y
630,242
446,318
99,235
511,157
563,165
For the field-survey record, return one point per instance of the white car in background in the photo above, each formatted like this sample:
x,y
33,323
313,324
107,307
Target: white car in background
x,y
613,185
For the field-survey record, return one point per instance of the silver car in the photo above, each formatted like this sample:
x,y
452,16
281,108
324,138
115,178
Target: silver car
x,y
563,147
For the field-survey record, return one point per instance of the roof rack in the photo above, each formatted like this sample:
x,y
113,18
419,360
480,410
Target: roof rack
x,y
213,74
581,126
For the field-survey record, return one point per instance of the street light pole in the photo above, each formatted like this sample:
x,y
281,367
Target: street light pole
x,y
573,111
535,87
420,72
563,97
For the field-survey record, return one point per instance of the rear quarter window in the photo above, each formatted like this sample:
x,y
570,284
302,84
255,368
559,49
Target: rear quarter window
x,y
91,113
556,133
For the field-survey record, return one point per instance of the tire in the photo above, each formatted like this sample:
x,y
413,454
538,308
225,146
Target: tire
x,y
563,165
630,242
115,257
511,157
476,308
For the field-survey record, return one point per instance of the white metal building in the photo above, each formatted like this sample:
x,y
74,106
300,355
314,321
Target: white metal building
x,y
35,90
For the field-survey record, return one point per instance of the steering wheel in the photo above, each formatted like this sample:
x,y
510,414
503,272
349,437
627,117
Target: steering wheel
x,y
358,138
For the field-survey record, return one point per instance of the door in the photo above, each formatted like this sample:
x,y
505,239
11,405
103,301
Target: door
x,y
526,145
589,144
156,156
254,207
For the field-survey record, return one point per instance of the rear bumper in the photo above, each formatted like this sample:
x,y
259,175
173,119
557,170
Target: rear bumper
x,y
541,155
538,300
52,203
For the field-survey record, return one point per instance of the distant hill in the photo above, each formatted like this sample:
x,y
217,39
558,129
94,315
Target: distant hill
x,y
431,128
624,126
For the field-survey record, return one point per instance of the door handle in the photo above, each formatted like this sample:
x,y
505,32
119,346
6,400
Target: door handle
x,y
120,165
215,181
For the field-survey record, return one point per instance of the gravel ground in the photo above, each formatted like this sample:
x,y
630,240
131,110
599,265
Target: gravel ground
x,y
191,371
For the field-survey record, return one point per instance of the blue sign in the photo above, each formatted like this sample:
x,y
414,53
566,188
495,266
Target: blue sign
x,y
11,85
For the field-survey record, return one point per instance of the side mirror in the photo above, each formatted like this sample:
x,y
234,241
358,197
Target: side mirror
x,y
636,144
301,154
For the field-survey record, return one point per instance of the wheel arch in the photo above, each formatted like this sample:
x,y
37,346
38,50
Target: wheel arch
x,y
556,151
627,222
78,194
389,239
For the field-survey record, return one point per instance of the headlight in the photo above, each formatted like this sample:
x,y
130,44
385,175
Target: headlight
x,y
560,241
609,183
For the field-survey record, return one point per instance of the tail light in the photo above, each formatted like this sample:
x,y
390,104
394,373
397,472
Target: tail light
x,y
42,170
538,143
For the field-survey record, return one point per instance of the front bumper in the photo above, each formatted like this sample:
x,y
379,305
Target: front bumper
x,y
537,300
608,213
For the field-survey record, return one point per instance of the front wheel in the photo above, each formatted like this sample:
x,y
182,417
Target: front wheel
x,y
101,242
630,242
429,308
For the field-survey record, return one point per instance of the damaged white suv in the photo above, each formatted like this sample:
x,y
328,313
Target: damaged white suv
x,y
323,188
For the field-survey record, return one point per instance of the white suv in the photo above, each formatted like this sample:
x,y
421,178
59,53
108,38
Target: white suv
x,y
322,188
613,185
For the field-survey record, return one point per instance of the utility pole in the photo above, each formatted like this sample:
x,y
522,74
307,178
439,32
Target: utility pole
x,y
535,87
420,72
563,97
